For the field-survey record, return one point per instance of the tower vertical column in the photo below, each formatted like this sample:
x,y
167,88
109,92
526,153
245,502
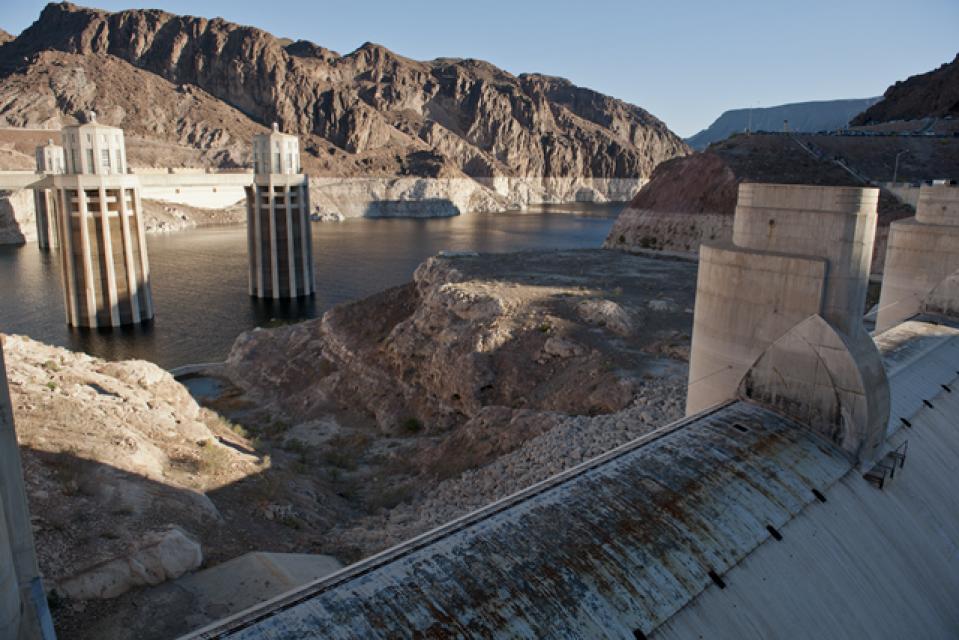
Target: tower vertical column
x,y
89,291
290,242
778,315
146,289
111,276
133,287
306,238
71,299
274,257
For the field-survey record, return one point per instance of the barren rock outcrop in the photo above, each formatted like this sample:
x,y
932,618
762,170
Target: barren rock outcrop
x,y
17,217
544,332
111,450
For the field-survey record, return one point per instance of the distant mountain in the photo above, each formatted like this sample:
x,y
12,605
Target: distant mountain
x,y
209,84
807,117
928,95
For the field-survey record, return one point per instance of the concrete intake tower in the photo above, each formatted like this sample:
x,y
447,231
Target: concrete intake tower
x,y
278,220
106,273
50,161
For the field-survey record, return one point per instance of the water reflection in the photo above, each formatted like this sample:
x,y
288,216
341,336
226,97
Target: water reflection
x,y
200,277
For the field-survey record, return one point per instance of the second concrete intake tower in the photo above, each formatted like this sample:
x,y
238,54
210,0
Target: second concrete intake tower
x,y
278,220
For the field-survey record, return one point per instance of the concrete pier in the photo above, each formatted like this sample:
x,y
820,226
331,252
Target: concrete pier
x,y
798,253
278,220
50,161
922,259
106,272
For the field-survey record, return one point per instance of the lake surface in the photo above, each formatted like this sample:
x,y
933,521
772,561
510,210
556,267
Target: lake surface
x,y
200,277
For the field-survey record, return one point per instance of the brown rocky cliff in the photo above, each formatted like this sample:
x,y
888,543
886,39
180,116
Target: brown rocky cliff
x,y
372,101
934,94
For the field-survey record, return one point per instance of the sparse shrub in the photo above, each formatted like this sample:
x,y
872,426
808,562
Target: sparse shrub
x,y
291,521
276,428
341,459
544,328
344,451
647,242
50,365
389,496
622,239
52,386
293,445
213,458
411,425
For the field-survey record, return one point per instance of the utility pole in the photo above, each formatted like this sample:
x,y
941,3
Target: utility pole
x,y
895,171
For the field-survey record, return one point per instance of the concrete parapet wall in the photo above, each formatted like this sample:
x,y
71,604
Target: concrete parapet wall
x,y
196,188
15,180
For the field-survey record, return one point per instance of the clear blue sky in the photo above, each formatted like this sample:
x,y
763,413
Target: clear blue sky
x,y
686,62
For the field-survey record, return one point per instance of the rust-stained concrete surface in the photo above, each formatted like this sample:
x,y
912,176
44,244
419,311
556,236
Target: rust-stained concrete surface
x,y
621,543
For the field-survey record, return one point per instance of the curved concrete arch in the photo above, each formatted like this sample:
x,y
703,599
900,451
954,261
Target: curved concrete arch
x,y
833,383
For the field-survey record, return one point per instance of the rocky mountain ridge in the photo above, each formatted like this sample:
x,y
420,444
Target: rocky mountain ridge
x,y
367,113
810,117
934,94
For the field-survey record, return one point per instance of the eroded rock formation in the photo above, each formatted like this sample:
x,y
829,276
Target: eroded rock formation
x,y
367,113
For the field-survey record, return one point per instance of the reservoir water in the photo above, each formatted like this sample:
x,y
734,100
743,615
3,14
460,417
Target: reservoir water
x,y
200,277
